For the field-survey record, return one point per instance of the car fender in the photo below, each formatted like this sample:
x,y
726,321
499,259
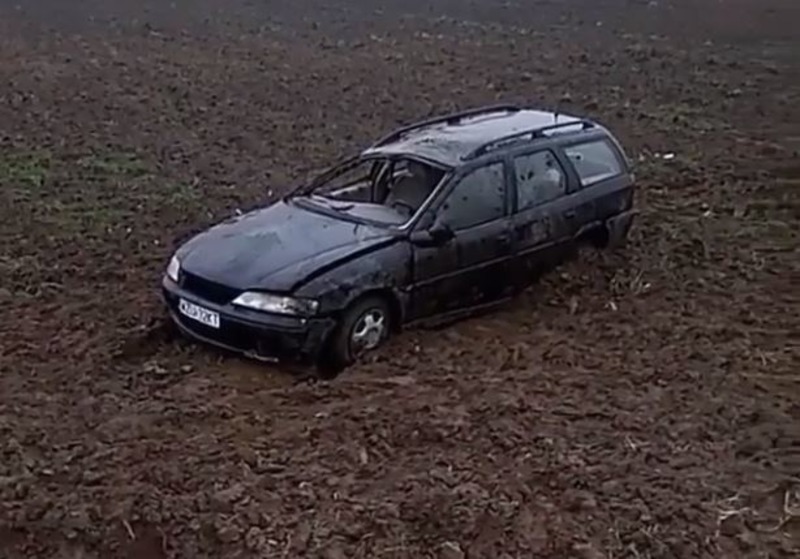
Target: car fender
x,y
384,270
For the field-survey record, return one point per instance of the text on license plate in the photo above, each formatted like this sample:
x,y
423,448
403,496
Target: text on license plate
x,y
198,313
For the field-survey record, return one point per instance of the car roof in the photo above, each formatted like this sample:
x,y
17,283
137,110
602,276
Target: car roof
x,y
451,139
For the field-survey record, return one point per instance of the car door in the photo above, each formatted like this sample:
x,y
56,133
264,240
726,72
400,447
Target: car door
x,y
543,221
471,268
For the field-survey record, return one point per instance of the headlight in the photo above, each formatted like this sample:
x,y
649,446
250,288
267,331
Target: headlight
x,y
174,269
276,303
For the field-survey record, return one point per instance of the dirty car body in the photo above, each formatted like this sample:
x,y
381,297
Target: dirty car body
x,y
434,221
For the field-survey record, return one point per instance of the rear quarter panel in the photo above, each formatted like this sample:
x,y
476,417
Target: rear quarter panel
x,y
621,189
612,196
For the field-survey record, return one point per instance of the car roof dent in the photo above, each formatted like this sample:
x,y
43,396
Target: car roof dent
x,y
450,142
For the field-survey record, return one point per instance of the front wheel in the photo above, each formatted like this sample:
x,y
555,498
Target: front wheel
x,y
364,326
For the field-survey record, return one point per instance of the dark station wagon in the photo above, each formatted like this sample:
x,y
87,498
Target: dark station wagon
x,y
434,221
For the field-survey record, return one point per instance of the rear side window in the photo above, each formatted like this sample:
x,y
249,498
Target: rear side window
x,y
540,179
594,161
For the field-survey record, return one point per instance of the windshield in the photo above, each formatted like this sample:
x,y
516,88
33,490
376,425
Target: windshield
x,y
383,191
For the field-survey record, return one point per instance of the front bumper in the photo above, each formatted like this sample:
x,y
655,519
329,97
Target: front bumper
x,y
258,335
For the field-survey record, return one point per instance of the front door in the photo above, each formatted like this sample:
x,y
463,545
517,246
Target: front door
x,y
472,268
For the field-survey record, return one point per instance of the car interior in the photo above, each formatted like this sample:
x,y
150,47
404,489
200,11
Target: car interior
x,y
400,185
541,175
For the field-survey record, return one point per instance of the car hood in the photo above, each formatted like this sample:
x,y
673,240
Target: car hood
x,y
276,248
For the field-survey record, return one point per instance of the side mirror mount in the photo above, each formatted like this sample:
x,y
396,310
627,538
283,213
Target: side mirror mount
x,y
437,235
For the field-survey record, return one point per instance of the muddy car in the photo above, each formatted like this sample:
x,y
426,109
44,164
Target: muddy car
x,y
432,222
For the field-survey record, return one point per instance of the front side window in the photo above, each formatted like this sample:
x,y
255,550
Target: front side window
x,y
479,197
594,161
540,179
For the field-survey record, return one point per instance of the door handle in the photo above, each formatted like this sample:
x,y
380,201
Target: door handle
x,y
570,214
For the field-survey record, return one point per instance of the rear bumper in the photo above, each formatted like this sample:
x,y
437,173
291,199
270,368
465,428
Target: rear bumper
x,y
253,334
619,225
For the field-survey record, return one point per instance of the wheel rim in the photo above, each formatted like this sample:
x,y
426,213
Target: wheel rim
x,y
368,331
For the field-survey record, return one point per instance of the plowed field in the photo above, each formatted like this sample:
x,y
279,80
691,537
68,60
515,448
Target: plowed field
x,y
635,404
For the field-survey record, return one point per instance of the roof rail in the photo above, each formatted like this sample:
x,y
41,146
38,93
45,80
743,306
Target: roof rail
x,y
450,119
533,133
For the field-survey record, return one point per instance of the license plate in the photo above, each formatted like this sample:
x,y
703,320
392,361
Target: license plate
x,y
198,313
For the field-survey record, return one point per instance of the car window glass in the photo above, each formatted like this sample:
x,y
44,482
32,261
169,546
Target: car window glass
x,y
540,179
594,161
360,173
477,198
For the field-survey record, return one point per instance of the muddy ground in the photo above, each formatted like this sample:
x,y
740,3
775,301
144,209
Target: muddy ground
x,y
637,404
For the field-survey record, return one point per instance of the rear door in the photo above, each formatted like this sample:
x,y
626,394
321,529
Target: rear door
x,y
473,267
543,221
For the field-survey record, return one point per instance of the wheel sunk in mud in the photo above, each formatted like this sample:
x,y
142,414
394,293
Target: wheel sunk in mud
x,y
364,326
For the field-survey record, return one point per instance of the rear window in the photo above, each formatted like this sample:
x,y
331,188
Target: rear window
x,y
594,161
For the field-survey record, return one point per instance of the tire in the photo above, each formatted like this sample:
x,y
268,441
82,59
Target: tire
x,y
599,237
367,320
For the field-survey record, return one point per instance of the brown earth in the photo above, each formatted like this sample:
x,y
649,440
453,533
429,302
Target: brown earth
x,y
638,404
